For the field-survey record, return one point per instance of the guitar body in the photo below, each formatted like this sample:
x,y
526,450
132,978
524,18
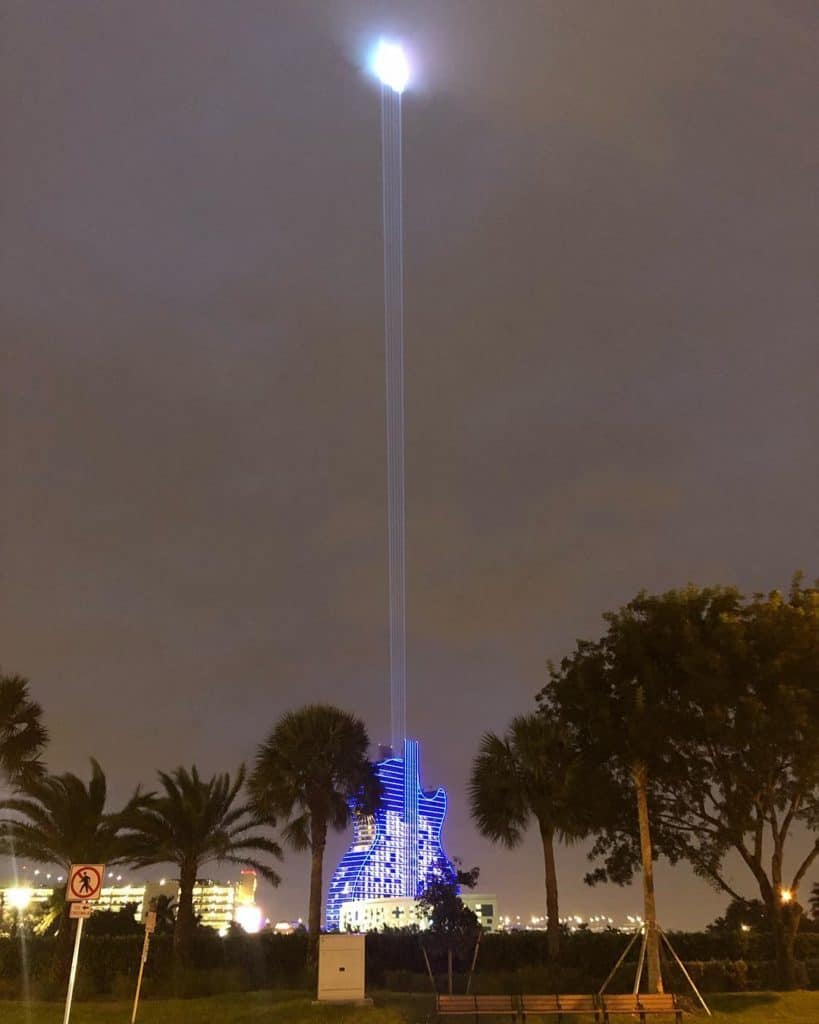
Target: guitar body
x,y
397,851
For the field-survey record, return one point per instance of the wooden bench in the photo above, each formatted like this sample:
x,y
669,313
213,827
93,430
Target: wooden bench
x,y
559,1006
649,1005
477,1006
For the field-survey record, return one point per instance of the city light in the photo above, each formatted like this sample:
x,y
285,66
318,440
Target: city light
x,y
390,66
786,896
19,898
250,917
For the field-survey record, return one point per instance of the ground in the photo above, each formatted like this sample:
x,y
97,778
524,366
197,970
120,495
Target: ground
x,y
292,1008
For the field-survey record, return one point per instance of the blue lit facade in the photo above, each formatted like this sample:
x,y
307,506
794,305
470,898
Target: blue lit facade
x,y
397,851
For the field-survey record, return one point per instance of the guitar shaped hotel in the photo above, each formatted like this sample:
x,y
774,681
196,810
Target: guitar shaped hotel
x,y
396,852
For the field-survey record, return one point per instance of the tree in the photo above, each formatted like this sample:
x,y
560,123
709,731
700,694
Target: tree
x,y
627,697
813,901
453,927
742,915
193,821
532,772
22,734
62,821
165,908
750,770
123,921
310,772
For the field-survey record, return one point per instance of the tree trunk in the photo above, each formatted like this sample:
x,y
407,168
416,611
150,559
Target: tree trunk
x,y
552,914
449,967
318,840
185,919
655,977
784,925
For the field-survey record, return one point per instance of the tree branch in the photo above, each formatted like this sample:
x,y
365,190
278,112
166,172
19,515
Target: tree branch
x,y
803,867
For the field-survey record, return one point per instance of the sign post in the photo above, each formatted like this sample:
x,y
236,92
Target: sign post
x,y
84,884
150,927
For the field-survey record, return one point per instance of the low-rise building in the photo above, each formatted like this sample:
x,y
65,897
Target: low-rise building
x,y
403,912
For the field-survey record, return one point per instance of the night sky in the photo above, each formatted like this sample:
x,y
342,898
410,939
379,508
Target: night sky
x,y
612,365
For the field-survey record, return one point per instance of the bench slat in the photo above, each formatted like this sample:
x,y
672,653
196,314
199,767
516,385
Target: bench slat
x,y
643,1006
474,1005
564,1005
539,1004
578,1004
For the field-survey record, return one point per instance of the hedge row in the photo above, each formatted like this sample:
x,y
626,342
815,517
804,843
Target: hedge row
x,y
515,962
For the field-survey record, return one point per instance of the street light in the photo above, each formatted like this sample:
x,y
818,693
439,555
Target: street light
x,y
786,896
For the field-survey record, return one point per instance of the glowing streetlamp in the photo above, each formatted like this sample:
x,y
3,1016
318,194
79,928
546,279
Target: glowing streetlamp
x,y
786,896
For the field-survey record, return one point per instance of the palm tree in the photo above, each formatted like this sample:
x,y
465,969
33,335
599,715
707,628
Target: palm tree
x,y
22,734
529,773
62,821
309,772
191,822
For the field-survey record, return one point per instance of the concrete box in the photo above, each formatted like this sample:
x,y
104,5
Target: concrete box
x,y
341,968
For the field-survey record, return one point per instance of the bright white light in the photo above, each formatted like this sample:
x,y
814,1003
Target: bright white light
x,y
250,917
391,66
19,898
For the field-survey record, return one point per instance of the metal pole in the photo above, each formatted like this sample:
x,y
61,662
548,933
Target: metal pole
x,y
641,961
73,975
429,969
623,956
142,962
474,961
688,977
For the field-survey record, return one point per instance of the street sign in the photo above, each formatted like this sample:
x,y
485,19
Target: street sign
x,y
150,928
85,882
79,909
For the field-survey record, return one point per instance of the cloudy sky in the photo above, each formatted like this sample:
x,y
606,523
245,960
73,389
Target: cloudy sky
x,y
611,313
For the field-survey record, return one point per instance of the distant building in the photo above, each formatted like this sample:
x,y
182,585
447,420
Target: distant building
x,y
485,907
216,906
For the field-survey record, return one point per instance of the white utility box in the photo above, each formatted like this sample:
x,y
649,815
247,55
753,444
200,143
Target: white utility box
x,y
341,969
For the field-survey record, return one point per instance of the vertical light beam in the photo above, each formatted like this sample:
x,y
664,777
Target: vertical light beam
x,y
394,351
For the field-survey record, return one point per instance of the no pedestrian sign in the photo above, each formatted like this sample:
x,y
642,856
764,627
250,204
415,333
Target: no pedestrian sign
x,y
85,882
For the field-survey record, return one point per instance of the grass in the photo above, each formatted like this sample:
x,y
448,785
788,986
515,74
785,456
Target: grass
x,y
390,1008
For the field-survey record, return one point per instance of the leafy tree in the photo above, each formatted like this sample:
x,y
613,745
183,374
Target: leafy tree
x,y
114,922
62,821
191,822
531,773
741,914
752,770
453,927
22,734
310,772
165,908
627,699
